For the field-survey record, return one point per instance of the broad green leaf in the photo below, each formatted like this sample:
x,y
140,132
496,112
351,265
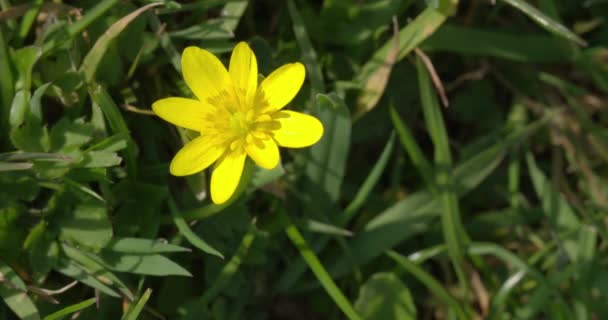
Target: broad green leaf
x,y
19,108
142,246
145,264
93,267
14,294
86,224
84,275
67,134
42,248
113,143
25,58
100,159
384,297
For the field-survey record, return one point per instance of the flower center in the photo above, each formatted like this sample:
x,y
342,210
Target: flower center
x,y
238,123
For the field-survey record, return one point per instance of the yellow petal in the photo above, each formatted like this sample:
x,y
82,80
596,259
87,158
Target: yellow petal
x,y
196,156
281,86
297,129
205,74
186,113
244,71
264,152
226,176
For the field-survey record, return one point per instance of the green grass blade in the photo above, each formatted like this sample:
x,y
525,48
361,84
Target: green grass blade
x,y
452,228
165,41
136,309
429,282
413,214
317,268
296,269
61,314
117,123
93,58
412,148
232,13
372,179
545,21
530,48
480,248
230,269
192,237
80,25
309,56
559,213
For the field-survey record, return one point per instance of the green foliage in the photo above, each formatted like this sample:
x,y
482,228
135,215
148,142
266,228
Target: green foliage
x,y
493,207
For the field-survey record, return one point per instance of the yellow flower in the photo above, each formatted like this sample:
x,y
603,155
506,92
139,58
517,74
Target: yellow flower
x,y
236,118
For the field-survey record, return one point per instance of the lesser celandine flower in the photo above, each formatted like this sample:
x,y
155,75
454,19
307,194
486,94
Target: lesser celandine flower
x,y
235,117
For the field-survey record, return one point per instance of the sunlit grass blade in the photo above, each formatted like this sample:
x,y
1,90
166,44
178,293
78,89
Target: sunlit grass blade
x,y
545,21
137,308
63,313
317,268
410,36
429,282
232,13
